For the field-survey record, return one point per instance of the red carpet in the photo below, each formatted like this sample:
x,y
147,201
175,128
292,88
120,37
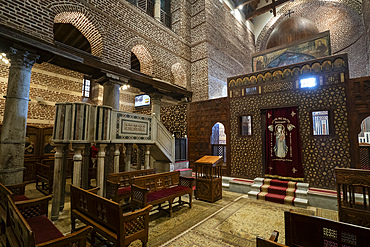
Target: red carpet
x,y
274,190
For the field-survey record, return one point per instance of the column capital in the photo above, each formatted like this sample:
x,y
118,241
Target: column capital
x,y
112,79
156,97
21,58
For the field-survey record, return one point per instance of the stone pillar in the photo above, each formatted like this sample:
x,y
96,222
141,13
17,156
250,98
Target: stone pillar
x,y
13,133
58,183
100,173
147,157
116,158
85,166
156,105
128,157
77,165
157,10
111,94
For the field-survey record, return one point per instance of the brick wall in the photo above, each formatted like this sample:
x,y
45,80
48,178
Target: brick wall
x,y
222,47
344,20
112,27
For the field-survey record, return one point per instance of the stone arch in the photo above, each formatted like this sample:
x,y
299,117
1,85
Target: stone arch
x,y
179,75
298,5
145,59
83,20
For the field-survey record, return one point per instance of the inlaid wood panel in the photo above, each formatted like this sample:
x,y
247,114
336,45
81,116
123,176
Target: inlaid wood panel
x,y
201,118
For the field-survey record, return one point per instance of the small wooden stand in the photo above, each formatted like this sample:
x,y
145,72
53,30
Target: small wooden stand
x,y
208,174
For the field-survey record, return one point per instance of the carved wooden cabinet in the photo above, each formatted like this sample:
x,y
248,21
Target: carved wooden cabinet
x,y
208,174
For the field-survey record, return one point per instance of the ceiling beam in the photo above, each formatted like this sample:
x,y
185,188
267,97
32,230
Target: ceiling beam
x,y
265,9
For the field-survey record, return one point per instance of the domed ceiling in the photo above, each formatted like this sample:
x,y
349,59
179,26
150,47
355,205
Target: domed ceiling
x,y
290,30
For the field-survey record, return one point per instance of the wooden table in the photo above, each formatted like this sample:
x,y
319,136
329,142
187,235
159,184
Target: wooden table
x,y
208,175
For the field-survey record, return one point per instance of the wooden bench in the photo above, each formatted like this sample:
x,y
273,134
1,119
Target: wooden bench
x,y
107,218
28,225
16,192
158,188
303,230
353,192
45,176
119,184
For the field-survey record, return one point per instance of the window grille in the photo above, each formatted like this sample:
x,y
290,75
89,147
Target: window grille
x,y
86,88
320,120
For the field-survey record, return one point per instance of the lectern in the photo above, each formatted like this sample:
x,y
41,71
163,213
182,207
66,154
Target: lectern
x,y
208,177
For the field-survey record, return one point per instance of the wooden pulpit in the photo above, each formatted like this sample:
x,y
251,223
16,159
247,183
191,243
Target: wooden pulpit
x,y
208,174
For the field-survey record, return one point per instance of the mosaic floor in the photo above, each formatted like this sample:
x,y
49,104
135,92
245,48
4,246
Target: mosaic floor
x,y
234,220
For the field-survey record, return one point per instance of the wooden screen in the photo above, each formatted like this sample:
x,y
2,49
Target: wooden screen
x,y
201,118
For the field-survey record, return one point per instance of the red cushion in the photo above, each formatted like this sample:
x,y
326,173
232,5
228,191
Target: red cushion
x,y
166,192
20,198
124,191
43,229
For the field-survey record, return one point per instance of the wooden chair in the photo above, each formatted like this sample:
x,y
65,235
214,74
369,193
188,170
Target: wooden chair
x,y
17,194
353,192
27,225
45,176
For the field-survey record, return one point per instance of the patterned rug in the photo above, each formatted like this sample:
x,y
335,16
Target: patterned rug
x,y
238,224
234,220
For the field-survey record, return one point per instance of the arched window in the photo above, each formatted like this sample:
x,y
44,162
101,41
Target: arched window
x,y
218,141
68,34
135,63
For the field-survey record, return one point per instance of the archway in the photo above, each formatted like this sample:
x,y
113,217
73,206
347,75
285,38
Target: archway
x,y
218,141
85,26
145,59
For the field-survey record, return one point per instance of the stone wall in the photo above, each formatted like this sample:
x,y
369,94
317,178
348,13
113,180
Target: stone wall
x,y
344,20
366,14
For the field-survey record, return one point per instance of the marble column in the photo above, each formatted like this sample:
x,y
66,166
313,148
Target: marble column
x,y
116,158
58,183
147,157
157,10
128,157
111,94
77,165
100,173
156,105
13,133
